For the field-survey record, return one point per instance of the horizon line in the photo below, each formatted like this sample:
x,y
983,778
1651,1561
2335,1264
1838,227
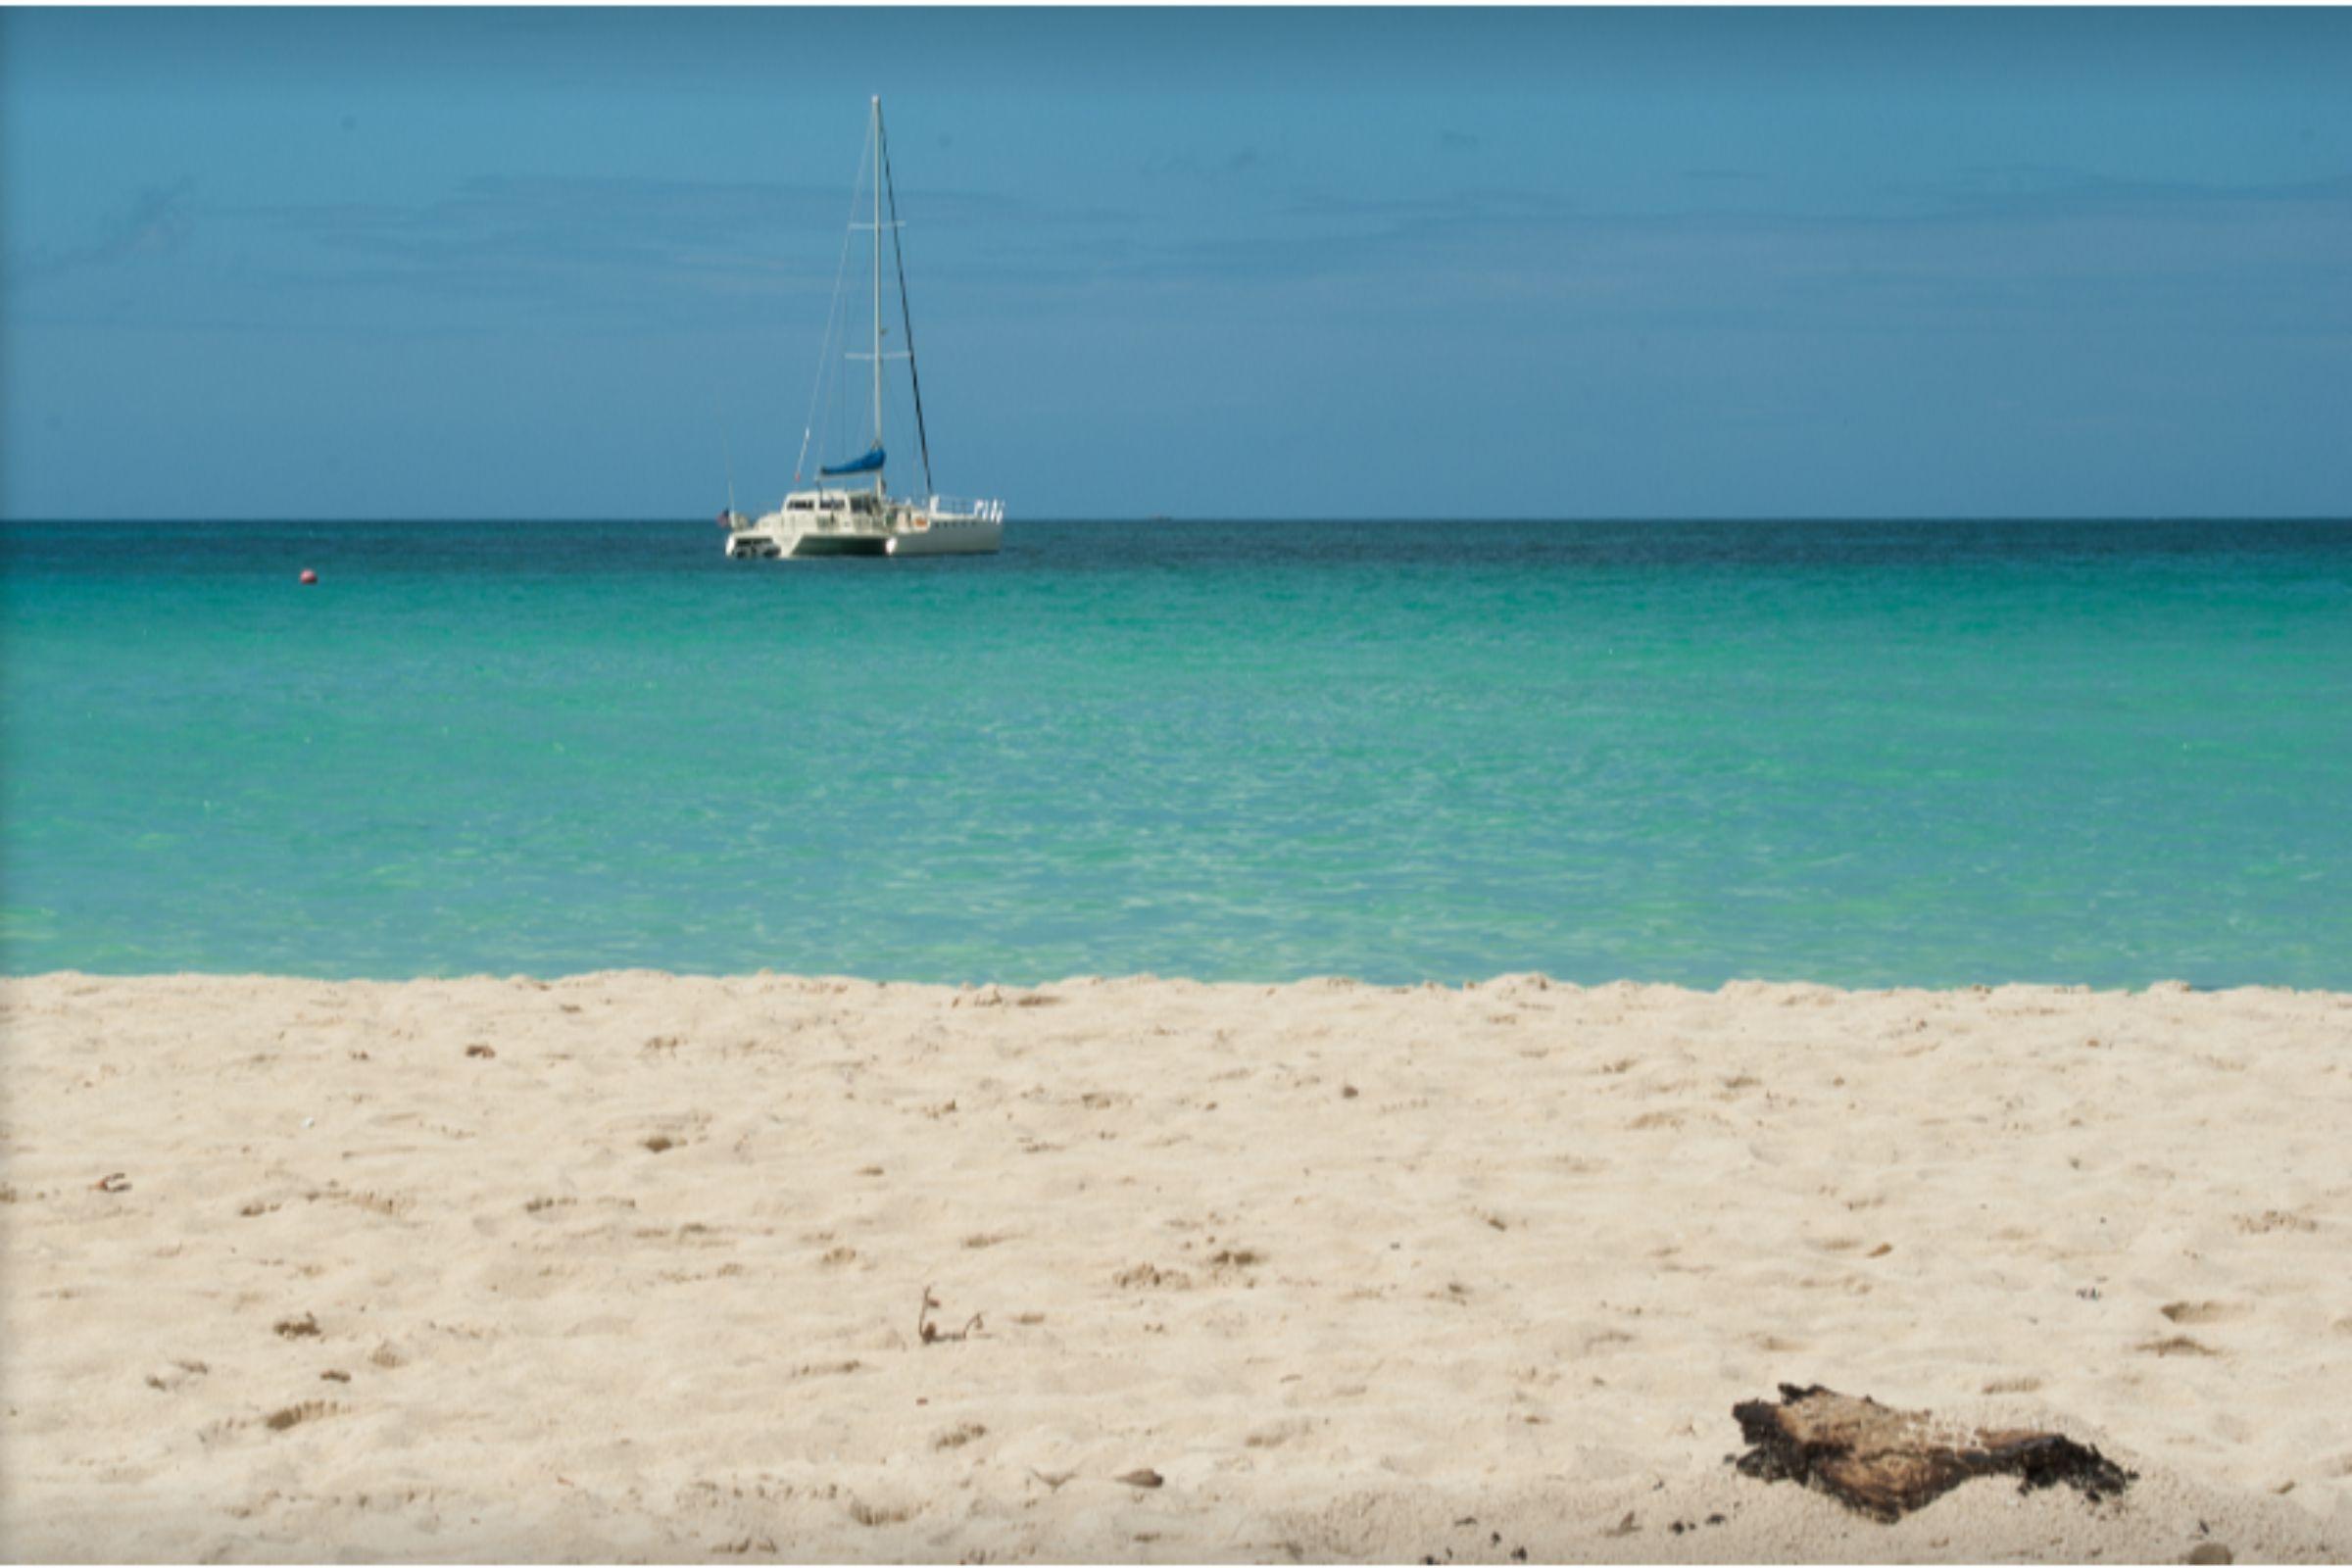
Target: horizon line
x,y
1172,517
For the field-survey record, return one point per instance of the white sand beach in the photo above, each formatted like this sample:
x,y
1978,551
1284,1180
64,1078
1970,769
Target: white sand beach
x,y
629,1265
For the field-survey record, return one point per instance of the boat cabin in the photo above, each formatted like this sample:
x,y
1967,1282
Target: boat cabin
x,y
844,504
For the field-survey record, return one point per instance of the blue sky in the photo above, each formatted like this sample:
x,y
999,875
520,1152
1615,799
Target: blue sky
x,y
372,264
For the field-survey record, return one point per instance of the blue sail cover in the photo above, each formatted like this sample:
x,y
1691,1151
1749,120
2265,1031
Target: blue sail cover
x,y
871,462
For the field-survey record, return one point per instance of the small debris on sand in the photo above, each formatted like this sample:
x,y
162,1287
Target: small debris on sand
x,y
1885,1462
927,1332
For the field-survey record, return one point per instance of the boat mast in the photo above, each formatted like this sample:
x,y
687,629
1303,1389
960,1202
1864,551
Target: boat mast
x,y
898,252
877,282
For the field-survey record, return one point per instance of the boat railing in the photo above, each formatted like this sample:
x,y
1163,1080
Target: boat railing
x,y
959,506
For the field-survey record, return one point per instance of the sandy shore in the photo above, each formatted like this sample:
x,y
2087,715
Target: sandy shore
x,y
630,1265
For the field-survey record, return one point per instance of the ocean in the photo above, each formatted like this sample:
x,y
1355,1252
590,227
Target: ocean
x,y
1864,753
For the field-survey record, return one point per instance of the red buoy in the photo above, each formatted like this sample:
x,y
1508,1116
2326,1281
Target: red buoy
x,y
308,576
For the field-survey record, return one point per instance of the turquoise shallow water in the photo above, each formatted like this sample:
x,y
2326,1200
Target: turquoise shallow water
x,y
1861,754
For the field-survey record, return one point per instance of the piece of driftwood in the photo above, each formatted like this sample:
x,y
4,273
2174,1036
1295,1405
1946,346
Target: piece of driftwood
x,y
1886,1462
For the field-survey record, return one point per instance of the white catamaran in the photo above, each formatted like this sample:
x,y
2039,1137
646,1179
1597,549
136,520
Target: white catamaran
x,y
857,516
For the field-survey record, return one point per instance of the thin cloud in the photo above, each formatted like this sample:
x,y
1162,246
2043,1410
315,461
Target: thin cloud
x,y
1194,165
160,221
538,235
2027,189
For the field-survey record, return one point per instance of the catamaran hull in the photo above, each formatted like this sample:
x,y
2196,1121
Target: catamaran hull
x,y
952,536
820,544
944,536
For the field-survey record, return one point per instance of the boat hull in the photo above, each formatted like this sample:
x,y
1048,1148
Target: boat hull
x,y
946,534
951,536
834,544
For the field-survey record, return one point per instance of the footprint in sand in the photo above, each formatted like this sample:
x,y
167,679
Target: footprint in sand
x,y
294,1415
2177,1344
169,1380
1148,1277
2275,1219
2193,1312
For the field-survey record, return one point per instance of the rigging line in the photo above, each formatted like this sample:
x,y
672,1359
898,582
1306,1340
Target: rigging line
x,y
824,356
898,251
